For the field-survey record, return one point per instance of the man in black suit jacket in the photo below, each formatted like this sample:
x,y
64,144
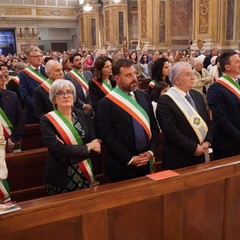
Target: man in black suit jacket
x,y
186,129
83,98
29,83
224,101
41,101
11,107
128,153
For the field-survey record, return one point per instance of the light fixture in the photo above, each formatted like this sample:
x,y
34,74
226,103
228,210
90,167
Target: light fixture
x,y
87,7
81,2
117,1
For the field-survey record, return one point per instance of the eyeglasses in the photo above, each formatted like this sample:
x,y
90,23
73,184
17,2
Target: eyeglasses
x,y
37,56
67,93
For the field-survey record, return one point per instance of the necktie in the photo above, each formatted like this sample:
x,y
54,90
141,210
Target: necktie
x,y
190,100
140,137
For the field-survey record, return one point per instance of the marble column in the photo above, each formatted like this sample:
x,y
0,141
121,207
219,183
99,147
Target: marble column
x,y
216,24
89,28
115,24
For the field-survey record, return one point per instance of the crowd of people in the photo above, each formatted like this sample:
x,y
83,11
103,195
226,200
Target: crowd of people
x,y
84,100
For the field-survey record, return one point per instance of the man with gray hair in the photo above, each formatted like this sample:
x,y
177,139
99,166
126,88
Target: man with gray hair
x,y
41,101
184,120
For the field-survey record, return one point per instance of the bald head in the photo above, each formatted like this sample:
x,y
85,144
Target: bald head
x,y
54,70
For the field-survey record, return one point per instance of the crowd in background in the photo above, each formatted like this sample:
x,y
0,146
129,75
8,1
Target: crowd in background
x,y
92,78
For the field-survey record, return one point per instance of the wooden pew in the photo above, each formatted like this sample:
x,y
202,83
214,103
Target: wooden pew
x,y
201,203
32,138
143,83
25,174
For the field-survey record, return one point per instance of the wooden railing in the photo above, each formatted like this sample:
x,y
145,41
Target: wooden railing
x,y
201,203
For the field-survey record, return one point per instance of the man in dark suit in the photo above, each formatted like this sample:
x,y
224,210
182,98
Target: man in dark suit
x,y
12,116
41,101
13,84
224,101
80,80
184,120
30,78
125,122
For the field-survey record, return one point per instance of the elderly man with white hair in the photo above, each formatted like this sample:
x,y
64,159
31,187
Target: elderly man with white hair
x,y
202,79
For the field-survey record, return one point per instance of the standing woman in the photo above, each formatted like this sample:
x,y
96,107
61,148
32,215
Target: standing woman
x,y
69,135
144,64
103,82
138,68
160,73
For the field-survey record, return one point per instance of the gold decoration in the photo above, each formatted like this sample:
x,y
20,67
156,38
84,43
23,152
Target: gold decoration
x,y
55,12
203,19
144,18
17,11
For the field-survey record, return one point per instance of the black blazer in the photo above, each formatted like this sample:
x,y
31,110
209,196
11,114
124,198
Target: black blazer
x,y
96,94
26,87
14,87
41,102
180,139
225,108
14,112
61,155
115,128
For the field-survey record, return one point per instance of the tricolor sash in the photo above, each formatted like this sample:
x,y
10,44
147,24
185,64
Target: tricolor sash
x,y
7,126
125,101
152,83
4,191
34,74
16,79
80,79
230,84
195,120
70,136
47,84
104,86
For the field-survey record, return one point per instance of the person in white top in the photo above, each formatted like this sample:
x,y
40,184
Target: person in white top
x,y
4,190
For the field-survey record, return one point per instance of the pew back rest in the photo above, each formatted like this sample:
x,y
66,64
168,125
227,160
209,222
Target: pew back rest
x,y
26,168
32,137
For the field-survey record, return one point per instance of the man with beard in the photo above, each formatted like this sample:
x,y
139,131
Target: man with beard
x,y
125,122
80,80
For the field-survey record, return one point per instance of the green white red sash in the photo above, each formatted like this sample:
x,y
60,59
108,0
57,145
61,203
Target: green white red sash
x,y
195,120
152,83
4,191
230,84
104,86
70,136
47,84
34,74
16,79
7,126
80,79
126,102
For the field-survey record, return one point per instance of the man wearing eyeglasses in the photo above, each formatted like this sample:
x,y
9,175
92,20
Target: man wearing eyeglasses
x,y
30,78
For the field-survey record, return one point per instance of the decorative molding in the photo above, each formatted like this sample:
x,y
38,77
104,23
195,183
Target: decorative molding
x,y
55,12
16,11
230,19
143,19
203,16
107,25
162,21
